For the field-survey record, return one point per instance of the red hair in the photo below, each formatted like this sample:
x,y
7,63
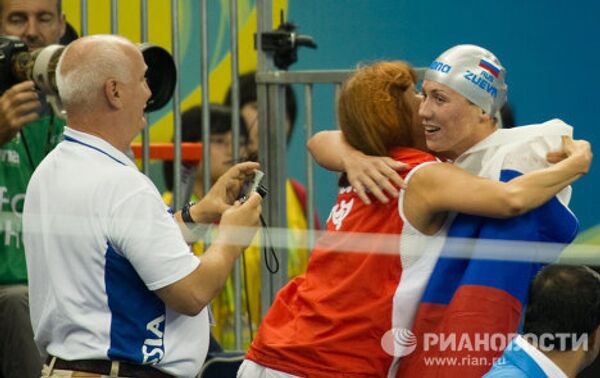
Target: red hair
x,y
376,107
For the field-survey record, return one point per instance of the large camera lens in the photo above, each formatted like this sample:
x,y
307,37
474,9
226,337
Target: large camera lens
x,y
43,72
161,75
9,46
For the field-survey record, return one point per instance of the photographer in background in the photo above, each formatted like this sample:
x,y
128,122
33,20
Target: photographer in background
x,y
28,131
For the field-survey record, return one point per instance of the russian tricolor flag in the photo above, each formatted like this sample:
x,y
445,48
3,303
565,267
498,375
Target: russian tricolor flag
x,y
489,67
473,297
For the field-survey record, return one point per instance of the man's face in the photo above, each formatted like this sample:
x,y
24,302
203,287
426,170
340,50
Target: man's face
x,y
36,22
452,124
137,91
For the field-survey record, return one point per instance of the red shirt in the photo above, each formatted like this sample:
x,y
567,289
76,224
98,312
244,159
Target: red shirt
x,y
330,320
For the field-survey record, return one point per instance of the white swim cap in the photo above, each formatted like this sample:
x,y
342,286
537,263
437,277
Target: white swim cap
x,y
473,72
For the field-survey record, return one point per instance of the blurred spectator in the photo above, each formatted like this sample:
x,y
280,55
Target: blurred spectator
x,y
562,326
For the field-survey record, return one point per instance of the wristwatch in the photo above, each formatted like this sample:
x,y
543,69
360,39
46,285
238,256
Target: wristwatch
x,y
185,214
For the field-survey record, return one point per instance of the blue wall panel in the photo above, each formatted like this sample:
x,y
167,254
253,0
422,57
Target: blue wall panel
x,y
550,48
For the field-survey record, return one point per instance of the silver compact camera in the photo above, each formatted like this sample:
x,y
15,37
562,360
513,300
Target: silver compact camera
x,y
253,185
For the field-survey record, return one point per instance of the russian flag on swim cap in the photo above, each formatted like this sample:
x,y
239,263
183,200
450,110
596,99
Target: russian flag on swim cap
x,y
467,62
489,67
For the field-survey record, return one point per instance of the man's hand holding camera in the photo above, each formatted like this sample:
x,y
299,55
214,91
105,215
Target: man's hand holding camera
x,y
223,194
238,221
19,105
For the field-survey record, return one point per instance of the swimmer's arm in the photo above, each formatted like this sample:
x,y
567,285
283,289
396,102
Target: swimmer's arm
x,y
376,174
444,187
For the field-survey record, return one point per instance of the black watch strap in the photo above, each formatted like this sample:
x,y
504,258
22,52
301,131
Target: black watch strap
x,y
185,214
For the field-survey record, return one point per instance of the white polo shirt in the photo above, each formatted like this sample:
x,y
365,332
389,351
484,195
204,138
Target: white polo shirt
x,y
98,241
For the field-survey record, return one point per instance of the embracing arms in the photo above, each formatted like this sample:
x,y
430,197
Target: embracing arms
x,y
439,188
377,174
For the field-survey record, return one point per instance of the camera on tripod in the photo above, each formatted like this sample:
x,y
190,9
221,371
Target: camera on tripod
x,y
17,64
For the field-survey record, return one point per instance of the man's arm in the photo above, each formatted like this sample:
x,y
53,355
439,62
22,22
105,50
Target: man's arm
x,y
18,107
237,227
377,174
236,230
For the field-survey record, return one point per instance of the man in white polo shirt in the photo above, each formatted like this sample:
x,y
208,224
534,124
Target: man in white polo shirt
x,y
114,289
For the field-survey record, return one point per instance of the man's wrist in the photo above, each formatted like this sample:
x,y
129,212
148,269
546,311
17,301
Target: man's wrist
x,y
204,211
197,229
6,135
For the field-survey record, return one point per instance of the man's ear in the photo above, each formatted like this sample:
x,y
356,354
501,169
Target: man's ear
x,y
112,92
595,336
593,346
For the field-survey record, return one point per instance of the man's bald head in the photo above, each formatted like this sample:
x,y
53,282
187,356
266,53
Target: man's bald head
x,y
86,65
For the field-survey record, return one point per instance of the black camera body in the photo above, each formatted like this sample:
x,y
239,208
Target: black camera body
x,y
9,47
